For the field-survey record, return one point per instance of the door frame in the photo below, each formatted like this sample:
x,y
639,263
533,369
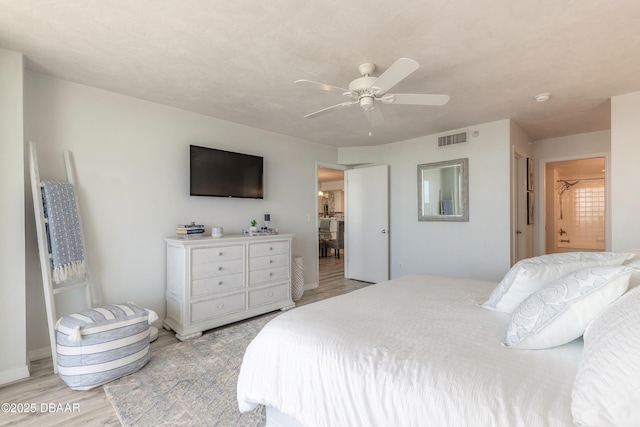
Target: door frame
x,y
541,225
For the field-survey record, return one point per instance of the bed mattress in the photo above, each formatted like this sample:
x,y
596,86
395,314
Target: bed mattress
x,y
413,351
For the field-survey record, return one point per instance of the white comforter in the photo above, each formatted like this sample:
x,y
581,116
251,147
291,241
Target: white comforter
x,y
414,351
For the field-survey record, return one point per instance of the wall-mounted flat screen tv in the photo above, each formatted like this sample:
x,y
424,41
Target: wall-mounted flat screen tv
x,y
219,173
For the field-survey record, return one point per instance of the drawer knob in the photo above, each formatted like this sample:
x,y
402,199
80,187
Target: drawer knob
x,y
220,305
270,261
270,248
220,283
219,253
219,268
271,274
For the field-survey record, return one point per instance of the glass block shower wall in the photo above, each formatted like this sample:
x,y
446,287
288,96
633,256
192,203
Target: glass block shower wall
x,y
583,215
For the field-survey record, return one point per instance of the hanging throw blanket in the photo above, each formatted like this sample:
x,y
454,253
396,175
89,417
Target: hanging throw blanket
x,y
63,231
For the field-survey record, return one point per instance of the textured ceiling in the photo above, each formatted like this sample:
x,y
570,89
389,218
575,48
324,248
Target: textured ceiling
x,y
237,60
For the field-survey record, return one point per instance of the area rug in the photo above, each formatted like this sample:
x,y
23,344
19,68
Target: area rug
x,y
191,383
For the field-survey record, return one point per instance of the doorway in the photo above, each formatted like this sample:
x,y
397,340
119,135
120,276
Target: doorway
x,y
330,213
362,254
576,208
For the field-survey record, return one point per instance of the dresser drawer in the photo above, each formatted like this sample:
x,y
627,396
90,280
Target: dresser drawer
x,y
209,255
268,248
217,307
268,295
260,263
216,284
216,269
268,275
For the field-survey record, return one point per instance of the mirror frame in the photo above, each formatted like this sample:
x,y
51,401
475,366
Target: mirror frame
x,y
464,216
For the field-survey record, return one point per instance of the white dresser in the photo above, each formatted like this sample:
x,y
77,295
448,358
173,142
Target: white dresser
x,y
216,281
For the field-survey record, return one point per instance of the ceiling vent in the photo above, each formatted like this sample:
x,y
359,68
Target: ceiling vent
x,y
453,138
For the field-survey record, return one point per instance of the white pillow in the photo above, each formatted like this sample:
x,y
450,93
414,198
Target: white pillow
x,y
635,276
529,275
635,255
634,261
606,391
561,311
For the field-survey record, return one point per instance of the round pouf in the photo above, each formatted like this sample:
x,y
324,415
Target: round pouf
x,y
297,282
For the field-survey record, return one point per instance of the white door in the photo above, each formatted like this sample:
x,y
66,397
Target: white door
x,y
367,224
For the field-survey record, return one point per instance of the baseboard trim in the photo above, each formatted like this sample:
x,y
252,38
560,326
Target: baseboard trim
x,y
39,353
15,374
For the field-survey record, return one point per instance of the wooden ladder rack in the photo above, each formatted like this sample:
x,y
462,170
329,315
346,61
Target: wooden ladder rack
x,y
51,290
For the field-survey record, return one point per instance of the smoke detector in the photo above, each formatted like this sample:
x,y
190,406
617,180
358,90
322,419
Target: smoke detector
x,y
542,97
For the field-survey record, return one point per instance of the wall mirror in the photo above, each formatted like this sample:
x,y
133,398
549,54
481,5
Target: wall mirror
x,y
443,191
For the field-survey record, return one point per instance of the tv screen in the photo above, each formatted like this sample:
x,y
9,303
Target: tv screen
x,y
221,173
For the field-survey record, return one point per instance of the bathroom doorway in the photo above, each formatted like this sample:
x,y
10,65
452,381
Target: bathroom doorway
x,y
575,200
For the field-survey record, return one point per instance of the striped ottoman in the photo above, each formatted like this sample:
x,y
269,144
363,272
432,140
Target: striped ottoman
x,y
102,344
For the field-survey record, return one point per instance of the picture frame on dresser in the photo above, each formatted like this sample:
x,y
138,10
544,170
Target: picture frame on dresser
x,y
212,282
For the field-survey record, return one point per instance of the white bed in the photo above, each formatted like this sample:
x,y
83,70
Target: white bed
x,y
414,351
555,343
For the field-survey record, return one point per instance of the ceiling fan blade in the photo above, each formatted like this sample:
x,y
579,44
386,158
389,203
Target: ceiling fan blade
x,y
394,74
326,110
415,99
323,86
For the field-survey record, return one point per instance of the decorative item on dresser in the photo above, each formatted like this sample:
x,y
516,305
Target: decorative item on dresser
x,y
216,281
190,230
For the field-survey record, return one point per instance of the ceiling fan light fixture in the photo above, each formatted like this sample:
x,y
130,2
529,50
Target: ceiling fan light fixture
x,y
366,102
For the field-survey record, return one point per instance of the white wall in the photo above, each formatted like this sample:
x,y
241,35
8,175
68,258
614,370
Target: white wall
x,y
479,248
573,145
625,157
564,148
132,164
13,357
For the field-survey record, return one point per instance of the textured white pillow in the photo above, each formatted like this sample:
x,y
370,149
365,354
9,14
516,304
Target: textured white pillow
x,y
635,255
531,274
635,276
606,391
634,261
560,312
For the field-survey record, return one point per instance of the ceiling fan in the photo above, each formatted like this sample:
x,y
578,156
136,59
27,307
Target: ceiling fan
x,y
367,90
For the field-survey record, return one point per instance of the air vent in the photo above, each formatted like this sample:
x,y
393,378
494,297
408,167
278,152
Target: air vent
x,y
454,138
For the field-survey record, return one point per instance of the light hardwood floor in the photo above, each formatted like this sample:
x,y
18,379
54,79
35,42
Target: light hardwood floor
x,y
92,407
